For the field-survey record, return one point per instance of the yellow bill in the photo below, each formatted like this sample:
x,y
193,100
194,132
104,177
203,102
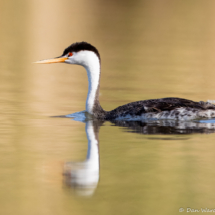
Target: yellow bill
x,y
54,60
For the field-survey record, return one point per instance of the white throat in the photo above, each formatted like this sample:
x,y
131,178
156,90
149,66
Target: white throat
x,y
92,64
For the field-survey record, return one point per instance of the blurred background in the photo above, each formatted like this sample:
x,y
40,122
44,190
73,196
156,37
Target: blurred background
x,y
149,49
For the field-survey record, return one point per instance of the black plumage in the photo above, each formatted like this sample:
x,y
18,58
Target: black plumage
x,y
81,46
153,106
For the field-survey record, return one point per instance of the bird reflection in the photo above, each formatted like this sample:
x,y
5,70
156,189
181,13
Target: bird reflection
x,y
84,176
166,127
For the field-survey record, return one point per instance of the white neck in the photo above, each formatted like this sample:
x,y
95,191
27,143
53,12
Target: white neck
x,y
90,61
92,65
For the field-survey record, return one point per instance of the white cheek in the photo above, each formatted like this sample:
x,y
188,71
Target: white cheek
x,y
70,60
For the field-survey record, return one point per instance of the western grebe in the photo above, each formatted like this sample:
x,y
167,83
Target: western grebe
x,y
86,55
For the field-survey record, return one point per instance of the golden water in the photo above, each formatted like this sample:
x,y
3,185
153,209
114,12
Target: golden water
x,y
149,49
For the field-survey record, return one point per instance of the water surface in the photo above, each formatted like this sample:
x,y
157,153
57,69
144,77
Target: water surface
x,y
149,49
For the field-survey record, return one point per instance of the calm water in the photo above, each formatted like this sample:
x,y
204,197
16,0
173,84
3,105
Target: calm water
x,y
149,49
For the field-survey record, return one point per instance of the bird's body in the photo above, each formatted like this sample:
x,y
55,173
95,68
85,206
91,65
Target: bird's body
x,y
88,56
165,108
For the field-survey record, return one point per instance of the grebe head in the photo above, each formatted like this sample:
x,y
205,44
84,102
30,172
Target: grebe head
x,y
80,53
86,55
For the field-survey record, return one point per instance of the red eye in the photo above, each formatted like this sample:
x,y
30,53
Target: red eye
x,y
70,54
